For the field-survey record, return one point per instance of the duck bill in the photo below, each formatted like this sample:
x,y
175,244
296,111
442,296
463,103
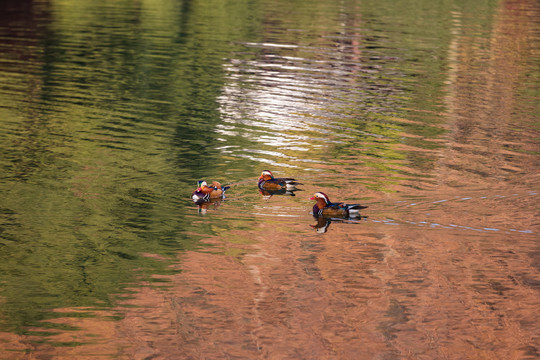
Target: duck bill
x,y
312,198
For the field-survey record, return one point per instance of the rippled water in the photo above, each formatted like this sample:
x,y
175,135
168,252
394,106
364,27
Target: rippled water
x,y
427,113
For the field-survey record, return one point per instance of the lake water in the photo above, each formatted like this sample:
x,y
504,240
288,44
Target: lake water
x,y
426,112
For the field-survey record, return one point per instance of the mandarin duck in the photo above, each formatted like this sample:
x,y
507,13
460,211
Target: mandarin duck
x,y
324,207
206,193
268,182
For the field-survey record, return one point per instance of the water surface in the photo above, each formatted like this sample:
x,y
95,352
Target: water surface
x,y
111,111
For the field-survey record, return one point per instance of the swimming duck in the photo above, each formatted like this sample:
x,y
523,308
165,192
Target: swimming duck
x,y
267,181
324,207
206,193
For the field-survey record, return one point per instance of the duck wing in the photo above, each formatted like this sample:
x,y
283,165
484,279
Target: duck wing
x,y
289,181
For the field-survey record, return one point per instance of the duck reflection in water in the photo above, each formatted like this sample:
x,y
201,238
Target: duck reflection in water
x,y
203,206
269,185
267,194
325,211
323,223
206,196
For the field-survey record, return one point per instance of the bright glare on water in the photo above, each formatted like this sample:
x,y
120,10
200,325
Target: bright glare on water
x,y
425,112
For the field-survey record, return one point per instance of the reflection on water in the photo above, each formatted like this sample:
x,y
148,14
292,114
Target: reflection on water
x,y
323,223
110,113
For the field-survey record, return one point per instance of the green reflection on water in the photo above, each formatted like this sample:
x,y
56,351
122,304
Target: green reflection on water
x,y
104,148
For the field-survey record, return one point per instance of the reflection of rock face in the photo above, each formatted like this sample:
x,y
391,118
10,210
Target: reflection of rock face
x,y
486,101
374,289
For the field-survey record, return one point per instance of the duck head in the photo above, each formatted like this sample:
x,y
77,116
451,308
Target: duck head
x,y
319,197
266,175
201,184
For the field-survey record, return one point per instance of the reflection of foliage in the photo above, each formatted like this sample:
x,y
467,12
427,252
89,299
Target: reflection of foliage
x,y
115,132
70,253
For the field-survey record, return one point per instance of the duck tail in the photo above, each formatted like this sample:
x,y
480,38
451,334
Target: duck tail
x,y
292,182
359,207
355,208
